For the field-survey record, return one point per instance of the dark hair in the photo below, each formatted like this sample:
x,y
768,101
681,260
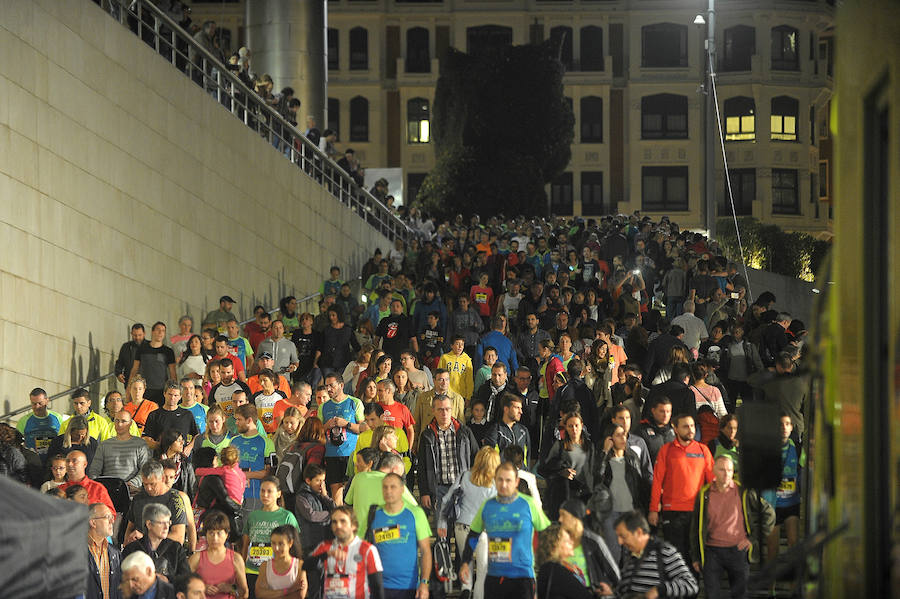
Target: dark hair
x,y
699,371
676,330
375,407
73,489
312,470
166,438
513,454
680,370
274,480
678,418
633,521
80,392
37,391
289,531
575,368
203,457
181,583
216,520
368,455
509,398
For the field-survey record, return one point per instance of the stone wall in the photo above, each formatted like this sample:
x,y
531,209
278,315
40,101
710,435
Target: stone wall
x,y
127,194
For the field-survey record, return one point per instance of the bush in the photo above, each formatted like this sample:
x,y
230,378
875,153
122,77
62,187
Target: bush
x,y
768,247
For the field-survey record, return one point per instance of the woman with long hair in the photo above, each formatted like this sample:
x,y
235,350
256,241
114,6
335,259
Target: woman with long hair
x,y
558,577
368,390
283,575
568,466
338,343
727,442
192,363
171,447
384,439
599,374
256,544
75,438
406,393
704,393
678,354
355,368
212,377
471,489
287,313
619,487
288,430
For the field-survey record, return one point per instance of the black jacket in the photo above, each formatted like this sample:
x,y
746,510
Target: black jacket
x,y
429,462
94,585
170,558
502,436
600,563
493,403
683,401
751,357
577,390
655,436
638,484
127,353
313,513
658,354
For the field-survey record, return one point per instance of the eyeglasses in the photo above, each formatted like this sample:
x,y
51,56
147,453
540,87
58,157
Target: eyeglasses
x,y
109,517
163,522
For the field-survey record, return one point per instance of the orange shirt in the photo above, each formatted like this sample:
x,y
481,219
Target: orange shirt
x,y
280,406
283,386
139,413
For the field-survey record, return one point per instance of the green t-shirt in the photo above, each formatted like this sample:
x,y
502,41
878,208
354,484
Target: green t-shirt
x,y
365,491
225,442
258,527
578,560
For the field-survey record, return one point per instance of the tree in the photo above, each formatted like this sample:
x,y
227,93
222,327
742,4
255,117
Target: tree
x,y
502,130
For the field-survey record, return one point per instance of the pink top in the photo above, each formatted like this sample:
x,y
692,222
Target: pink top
x,y
725,518
217,573
234,478
278,581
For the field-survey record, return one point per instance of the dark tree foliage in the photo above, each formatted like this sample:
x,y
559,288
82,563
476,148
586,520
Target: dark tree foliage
x,y
502,130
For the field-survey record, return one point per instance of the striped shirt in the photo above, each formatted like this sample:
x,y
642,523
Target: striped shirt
x,y
100,553
640,574
349,578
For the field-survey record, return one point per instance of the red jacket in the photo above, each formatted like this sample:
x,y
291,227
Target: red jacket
x,y
680,472
97,493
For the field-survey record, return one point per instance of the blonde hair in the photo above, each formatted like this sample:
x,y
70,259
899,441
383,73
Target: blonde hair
x,y
230,455
292,412
380,433
486,461
129,398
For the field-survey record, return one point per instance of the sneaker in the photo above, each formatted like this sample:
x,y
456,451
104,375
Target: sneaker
x,y
465,594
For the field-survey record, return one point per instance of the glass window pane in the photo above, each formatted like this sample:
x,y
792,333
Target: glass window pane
x,y
748,124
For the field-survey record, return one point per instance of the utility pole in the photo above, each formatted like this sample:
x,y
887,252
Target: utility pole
x,y
711,121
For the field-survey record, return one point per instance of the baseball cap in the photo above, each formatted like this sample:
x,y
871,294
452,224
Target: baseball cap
x,y
227,298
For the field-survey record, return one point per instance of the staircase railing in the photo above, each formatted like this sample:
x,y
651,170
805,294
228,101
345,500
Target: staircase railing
x,y
179,48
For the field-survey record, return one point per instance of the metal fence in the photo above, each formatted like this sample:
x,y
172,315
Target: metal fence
x,y
186,54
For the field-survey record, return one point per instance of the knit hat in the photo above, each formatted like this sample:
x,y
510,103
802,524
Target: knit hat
x,y
575,507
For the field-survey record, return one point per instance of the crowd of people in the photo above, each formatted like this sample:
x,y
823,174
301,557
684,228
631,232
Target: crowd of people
x,y
575,382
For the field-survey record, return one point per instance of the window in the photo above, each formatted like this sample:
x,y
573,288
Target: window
x,y
334,115
664,116
664,188
359,119
785,56
561,195
592,119
664,45
561,41
487,38
591,48
418,57
359,49
418,121
784,118
334,53
785,199
740,119
743,189
592,194
740,45
823,180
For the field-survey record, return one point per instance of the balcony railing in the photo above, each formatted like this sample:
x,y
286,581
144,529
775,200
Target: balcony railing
x,y
180,49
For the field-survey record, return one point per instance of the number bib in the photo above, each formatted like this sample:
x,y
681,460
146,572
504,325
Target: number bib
x,y
387,533
41,445
787,488
337,586
500,549
257,555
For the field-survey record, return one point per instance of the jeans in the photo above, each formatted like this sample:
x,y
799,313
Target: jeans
x,y
674,307
676,529
439,492
733,561
609,536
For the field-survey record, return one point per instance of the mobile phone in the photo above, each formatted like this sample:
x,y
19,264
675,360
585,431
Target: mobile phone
x,y
735,295
636,271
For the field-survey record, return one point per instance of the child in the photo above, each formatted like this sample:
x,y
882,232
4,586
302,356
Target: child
x,y
57,471
287,431
320,399
478,423
313,509
432,341
234,478
284,572
78,494
484,373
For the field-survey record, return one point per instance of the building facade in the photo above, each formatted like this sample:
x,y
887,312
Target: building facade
x,y
634,75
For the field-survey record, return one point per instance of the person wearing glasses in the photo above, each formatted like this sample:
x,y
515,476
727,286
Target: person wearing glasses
x,y
167,555
104,558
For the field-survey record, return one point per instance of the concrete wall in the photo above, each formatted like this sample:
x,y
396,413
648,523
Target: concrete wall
x,y
792,295
127,194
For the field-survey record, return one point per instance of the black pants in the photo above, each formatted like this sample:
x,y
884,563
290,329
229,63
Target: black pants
x,y
676,529
500,587
734,562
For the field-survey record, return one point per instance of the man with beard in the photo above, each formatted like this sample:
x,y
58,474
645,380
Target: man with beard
x,y
682,467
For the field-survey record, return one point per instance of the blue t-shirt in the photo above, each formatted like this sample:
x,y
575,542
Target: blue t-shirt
x,y
510,528
241,347
396,538
254,451
788,492
38,432
351,410
199,412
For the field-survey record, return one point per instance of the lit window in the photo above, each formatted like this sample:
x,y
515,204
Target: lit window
x,y
740,119
418,121
784,118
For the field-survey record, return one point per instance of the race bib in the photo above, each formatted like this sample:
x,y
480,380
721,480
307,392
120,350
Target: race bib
x,y
787,488
387,533
337,586
41,445
257,555
500,549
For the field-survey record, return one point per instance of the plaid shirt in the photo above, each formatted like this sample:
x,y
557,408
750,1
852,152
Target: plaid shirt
x,y
446,441
101,558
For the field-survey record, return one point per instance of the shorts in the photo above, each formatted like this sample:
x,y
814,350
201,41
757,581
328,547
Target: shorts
x,y
783,513
336,469
500,587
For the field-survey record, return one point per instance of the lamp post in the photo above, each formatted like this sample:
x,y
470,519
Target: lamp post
x,y
710,144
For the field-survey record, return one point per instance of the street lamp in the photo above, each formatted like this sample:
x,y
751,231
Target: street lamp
x,y
710,120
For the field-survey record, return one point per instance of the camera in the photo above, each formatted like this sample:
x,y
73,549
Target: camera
x,y
636,271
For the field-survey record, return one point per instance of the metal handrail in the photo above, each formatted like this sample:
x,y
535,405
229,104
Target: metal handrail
x,y
176,45
68,391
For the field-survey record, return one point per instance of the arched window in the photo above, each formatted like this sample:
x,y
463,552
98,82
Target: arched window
x,y
664,116
418,121
561,40
418,58
740,119
664,45
359,119
785,48
784,118
591,48
740,45
359,49
591,119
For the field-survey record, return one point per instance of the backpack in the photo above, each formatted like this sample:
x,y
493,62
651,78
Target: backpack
x,y
443,560
290,470
707,424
